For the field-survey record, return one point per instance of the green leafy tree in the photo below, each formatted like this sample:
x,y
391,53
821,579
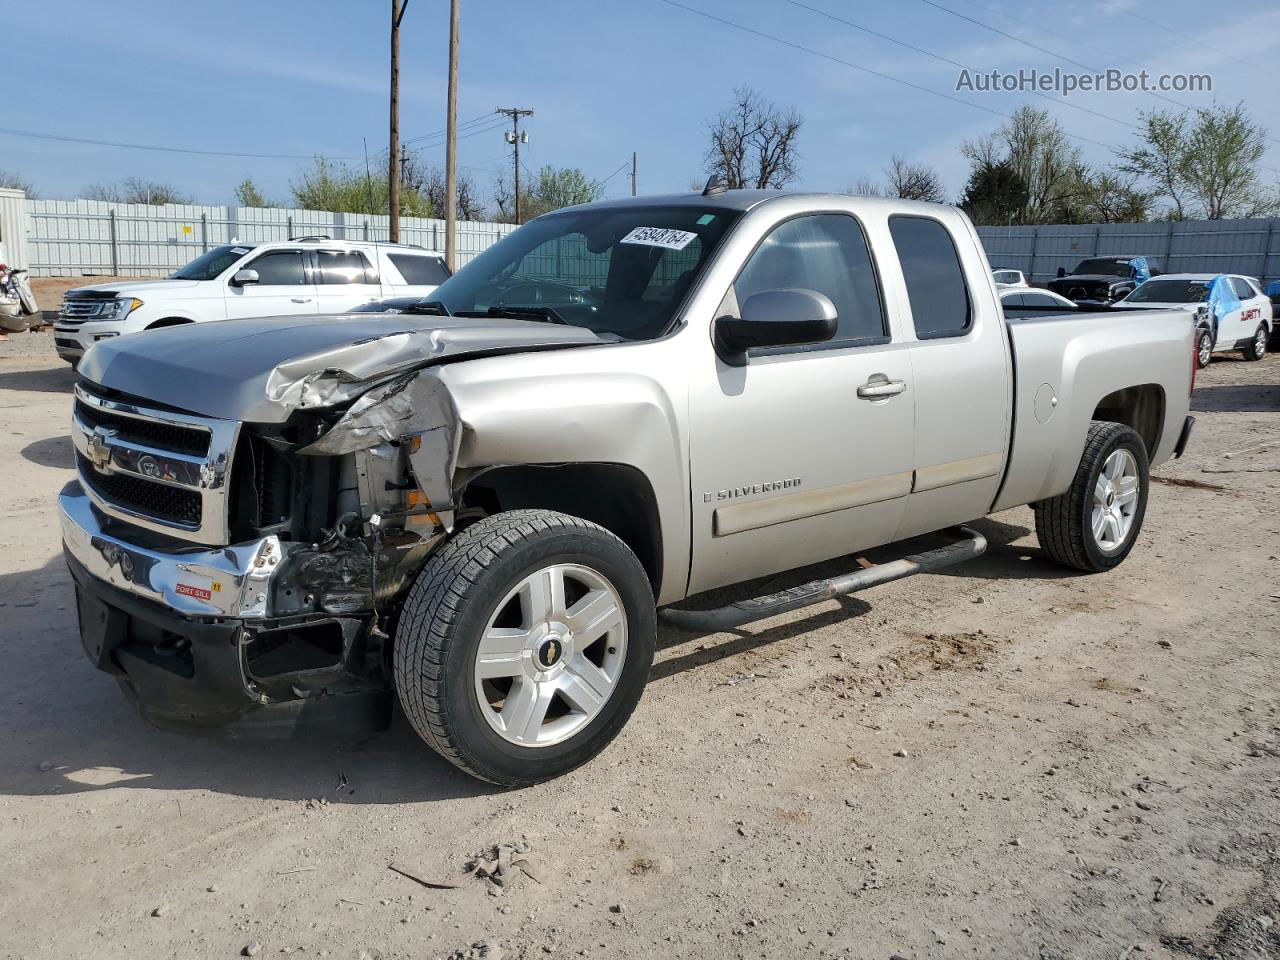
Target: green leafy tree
x,y
1202,163
247,194
995,193
328,185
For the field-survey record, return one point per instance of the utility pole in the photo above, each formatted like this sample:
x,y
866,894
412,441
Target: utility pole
x,y
451,146
513,138
398,7
633,173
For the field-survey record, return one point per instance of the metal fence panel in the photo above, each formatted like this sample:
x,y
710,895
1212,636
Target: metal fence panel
x,y
94,237
1249,247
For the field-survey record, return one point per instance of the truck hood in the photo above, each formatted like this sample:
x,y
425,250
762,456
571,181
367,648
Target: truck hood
x,y
1088,278
263,369
103,291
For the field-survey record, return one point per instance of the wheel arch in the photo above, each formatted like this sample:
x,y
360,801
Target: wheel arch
x,y
617,496
168,322
1141,407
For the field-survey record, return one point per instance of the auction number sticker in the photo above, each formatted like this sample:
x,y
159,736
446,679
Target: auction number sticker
x,y
660,237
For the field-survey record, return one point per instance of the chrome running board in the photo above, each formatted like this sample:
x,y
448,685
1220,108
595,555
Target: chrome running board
x,y
972,544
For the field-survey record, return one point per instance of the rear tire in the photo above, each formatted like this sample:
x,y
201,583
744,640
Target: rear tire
x,y
1094,525
1204,348
1257,348
524,645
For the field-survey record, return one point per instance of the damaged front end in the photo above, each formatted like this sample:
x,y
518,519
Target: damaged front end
x,y
329,515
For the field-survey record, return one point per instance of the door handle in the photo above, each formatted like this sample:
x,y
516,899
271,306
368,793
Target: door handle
x,y
880,387
299,299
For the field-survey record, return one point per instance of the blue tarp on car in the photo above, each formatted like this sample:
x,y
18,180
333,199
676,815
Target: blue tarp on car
x,y
1222,298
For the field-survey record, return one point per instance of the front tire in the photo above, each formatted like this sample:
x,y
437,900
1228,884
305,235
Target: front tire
x,y
1257,348
1204,348
524,645
1094,525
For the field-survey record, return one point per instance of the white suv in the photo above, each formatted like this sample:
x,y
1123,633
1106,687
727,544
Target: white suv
x,y
308,276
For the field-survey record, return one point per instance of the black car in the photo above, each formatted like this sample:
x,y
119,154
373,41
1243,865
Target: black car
x,y
1102,279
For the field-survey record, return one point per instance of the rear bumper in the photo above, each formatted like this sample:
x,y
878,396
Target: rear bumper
x,y
1184,437
197,673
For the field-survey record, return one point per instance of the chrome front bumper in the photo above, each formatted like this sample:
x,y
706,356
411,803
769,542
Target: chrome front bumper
x,y
226,582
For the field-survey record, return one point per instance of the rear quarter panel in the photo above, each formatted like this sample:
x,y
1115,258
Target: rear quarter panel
x,y
1079,359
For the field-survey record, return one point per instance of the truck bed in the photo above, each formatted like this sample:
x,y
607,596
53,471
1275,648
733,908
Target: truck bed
x,y
1066,364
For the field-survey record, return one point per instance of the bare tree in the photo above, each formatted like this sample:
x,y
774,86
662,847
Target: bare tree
x,y
135,190
867,187
468,197
753,144
15,181
914,181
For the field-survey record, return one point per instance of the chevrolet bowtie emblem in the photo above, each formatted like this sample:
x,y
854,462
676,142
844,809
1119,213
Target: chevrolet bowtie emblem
x,y
99,452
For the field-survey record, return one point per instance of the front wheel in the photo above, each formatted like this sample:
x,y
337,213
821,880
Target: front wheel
x,y
1257,348
524,645
1204,348
1094,525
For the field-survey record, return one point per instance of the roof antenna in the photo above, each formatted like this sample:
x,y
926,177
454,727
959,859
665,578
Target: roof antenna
x,y
715,186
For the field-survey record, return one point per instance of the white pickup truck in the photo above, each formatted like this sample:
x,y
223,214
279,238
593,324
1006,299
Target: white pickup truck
x,y
303,277
478,507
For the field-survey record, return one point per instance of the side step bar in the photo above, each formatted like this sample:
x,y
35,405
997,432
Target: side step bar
x,y
972,544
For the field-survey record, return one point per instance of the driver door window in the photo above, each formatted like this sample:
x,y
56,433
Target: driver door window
x,y
283,288
827,253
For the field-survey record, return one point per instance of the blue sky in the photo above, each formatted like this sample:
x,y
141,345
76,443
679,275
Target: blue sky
x,y
605,77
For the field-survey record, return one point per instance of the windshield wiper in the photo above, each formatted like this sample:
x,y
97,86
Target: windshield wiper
x,y
435,308
528,313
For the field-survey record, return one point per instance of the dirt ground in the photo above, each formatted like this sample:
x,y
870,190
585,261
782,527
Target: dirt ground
x,y
1002,760
49,291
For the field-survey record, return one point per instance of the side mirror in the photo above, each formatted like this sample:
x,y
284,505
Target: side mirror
x,y
775,318
1062,271
244,277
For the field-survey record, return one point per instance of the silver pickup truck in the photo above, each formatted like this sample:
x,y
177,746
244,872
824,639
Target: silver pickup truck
x,y
479,507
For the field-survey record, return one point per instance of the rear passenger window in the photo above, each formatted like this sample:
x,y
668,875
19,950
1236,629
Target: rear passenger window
x,y
1243,289
935,283
343,266
420,271
827,253
279,269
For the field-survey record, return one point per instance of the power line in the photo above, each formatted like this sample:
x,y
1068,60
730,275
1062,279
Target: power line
x,y
31,134
862,69
462,126
955,63
884,76
1059,56
1181,35
626,163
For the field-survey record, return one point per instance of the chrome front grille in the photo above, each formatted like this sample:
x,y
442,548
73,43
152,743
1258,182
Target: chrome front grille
x,y
76,312
156,469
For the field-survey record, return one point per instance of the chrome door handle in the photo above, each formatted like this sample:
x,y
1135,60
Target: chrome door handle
x,y
299,299
881,389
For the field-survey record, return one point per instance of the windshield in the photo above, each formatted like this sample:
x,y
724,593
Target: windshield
x,y
1106,266
620,271
207,266
1170,291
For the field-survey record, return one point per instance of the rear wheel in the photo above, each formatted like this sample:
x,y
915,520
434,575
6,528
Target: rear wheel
x,y
1257,348
1094,525
1204,348
524,645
